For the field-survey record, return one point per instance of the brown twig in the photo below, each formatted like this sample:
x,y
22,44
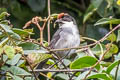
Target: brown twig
x,y
46,76
48,26
30,67
60,70
97,62
101,40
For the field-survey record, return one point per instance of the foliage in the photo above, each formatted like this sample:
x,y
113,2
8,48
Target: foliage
x,y
20,50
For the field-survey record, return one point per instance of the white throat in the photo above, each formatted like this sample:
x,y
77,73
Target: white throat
x,y
67,24
70,25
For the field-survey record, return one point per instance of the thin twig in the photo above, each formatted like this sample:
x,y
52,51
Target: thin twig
x,y
73,75
59,59
46,76
101,40
60,70
48,22
30,67
97,62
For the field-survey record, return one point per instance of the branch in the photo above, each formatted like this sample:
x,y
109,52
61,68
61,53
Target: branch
x,y
97,42
30,67
48,22
60,70
97,62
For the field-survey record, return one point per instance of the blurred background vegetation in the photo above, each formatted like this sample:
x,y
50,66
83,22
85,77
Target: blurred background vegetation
x,y
86,13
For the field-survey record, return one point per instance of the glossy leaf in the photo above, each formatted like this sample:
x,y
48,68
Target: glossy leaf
x,y
2,43
38,57
97,50
14,60
7,29
29,46
17,78
89,13
110,67
23,33
62,76
3,15
112,37
82,75
96,3
107,21
84,62
18,71
113,50
100,76
9,51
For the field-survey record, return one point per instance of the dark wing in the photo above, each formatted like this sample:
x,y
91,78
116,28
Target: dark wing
x,y
61,39
55,38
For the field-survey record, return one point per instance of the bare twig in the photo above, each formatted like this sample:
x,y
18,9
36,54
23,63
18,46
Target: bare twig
x,y
59,59
46,76
60,70
101,40
30,67
48,22
97,62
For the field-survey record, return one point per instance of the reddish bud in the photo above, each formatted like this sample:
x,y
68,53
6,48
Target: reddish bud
x,y
60,15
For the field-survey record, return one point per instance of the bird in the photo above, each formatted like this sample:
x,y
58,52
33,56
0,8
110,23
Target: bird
x,y
66,36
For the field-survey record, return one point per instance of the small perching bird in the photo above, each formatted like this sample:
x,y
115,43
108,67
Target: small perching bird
x,y
66,36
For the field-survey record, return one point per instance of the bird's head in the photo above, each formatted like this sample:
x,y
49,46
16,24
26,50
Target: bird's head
x,y
64,18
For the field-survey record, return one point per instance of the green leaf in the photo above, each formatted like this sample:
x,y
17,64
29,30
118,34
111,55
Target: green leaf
x,y
29,46
29,78
84,62
21,63
107,21
7,29
97,50
96,3
103,76
103,8
66,62
4,42
112,37
110,67
17,77
118,36
23,33
18,71
38,57
37,5
14,76
14,60
62,76
3,15
117,57
114,49
89,13
113,73
82,75
10,52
